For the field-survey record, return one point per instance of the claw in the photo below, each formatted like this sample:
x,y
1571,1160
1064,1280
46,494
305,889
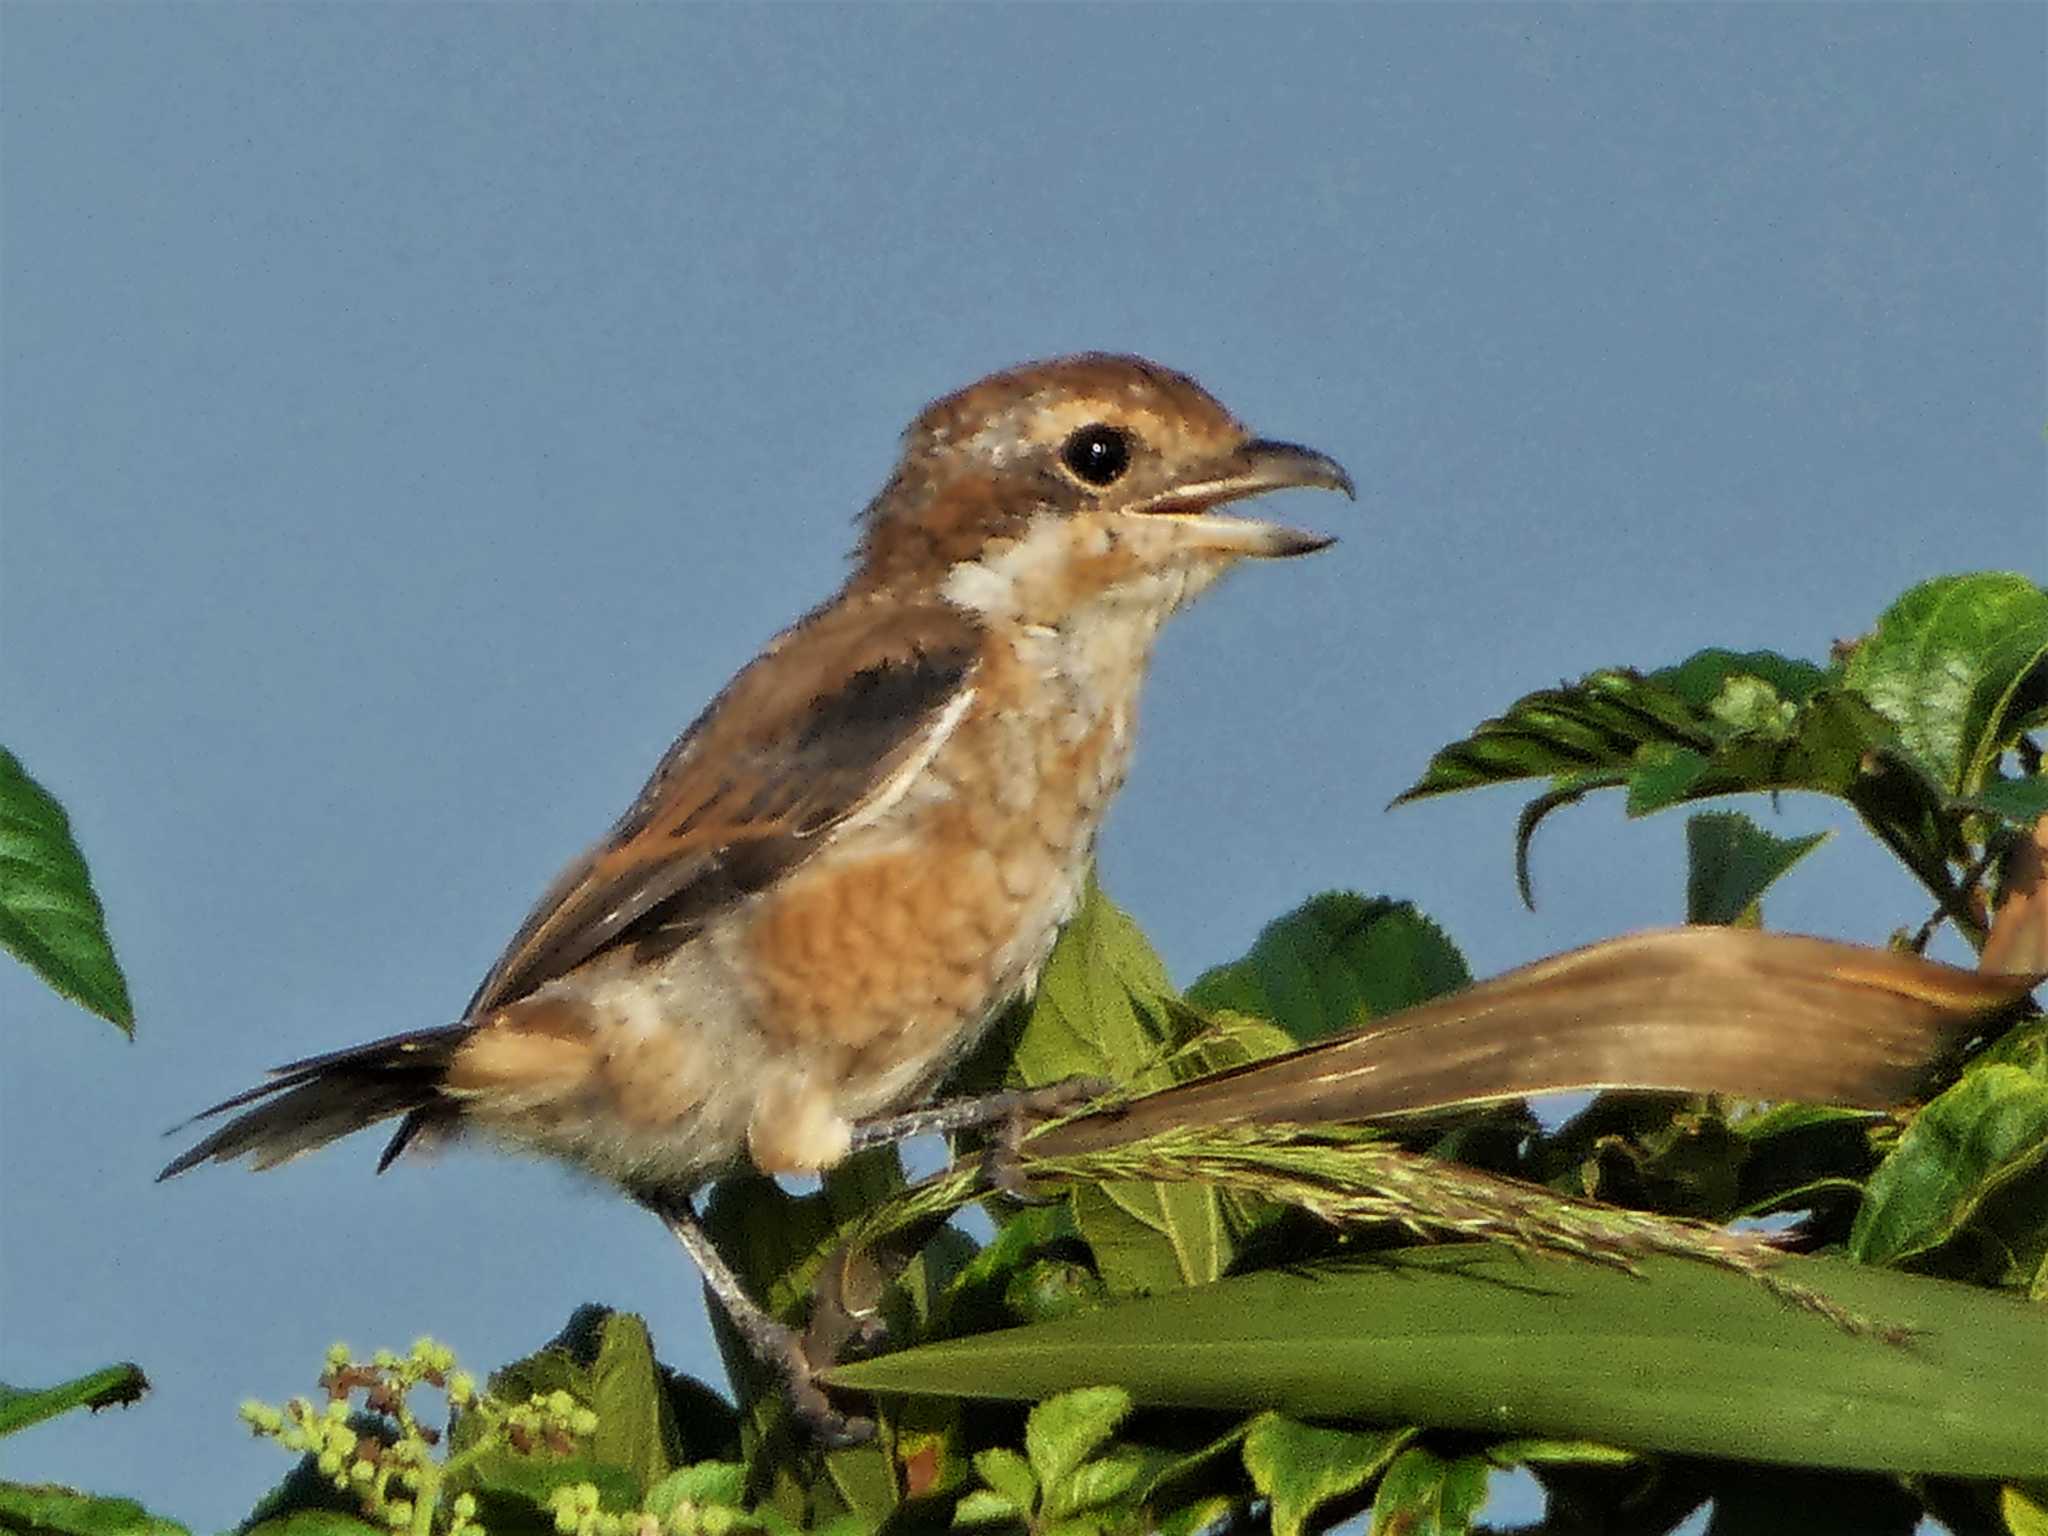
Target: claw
x,y
1002,1165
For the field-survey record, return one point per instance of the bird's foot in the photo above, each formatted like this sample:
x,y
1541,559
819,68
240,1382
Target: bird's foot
x,y
1002,1163
779,1347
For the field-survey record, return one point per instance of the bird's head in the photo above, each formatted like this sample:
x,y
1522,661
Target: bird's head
x,y
1086,481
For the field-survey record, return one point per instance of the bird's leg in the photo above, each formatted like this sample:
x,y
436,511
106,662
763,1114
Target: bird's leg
x,y
775,1344
1023,1104
1010,1113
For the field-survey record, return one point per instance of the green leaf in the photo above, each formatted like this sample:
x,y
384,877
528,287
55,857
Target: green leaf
x,y
1104,1008
316,1522
1334,962
1985,1132
1064,1431
708,1482
1096,1484
1100,1007
1301,1467
2025,1510
1424,1494
1683,1358
114,1386
1569,789
1559,1453
1600,722
1954,664
1153,1237
1203,1515
1714,679
626,1393
1049,1288
1664,776
605,1360
1730,861
2019,801
38,1508
1009,1475
50,917
983,1506
777,1242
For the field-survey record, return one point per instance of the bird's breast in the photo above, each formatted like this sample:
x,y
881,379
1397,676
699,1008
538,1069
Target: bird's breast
x,y
887,952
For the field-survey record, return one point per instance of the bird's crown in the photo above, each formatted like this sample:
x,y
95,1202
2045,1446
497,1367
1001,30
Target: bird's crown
x,y
1095,437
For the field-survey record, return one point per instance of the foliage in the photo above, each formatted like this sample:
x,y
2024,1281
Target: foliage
x,y
50,916
1229,1323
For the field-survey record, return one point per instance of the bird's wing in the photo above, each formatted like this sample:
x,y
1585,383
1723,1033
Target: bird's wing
x,y
833,720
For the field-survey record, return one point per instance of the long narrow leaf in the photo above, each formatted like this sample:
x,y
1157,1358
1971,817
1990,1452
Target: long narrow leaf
x,y
1682,1359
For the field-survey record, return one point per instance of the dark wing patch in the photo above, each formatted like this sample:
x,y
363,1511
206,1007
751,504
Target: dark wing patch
x,y
795,744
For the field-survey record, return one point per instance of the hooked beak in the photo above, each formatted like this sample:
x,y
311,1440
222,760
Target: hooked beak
x,y
1259,466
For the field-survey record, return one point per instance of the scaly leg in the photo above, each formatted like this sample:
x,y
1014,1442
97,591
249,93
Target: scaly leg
x,y
775,1344
1011,1113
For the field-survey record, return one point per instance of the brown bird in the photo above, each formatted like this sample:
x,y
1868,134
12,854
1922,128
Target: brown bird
x,y
867,843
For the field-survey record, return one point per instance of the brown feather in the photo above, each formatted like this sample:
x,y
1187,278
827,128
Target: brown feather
x,y
783,754
1691,1010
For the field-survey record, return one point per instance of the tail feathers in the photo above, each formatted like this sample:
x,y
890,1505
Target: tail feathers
x,y
309,1103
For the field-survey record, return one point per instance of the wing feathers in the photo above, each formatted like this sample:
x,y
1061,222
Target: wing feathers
x,y
830,726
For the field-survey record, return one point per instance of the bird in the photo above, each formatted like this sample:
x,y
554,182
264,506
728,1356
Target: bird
x,y
864,847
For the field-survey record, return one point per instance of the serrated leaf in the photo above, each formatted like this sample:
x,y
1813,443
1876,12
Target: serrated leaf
x,y
1203,1515
39,1508
708,1482
1570,789
984,1506
1664,776
626,1393
1600,722
1950,663
1096,1485
1152,1237
1301,1467
1099,1007
1424,1494
1049,1288
1731,861
50,916
113,1386
506,1482
1703,679
605,1360
1986,1131
2021,802
1064,1431
1104,1008
1418,1336
1009,1475
1333,962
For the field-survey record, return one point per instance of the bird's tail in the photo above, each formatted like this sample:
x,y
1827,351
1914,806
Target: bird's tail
x,y
323,1098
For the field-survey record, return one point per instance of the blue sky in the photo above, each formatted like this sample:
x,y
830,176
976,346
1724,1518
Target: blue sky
x,y
411,415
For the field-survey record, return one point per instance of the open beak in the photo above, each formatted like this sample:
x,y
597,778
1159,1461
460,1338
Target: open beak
x,y
1259,466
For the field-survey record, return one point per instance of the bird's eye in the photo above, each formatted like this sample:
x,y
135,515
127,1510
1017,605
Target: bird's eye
x,y
1097,454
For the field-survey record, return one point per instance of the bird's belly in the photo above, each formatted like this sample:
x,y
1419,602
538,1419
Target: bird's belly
x,y
848,987
882,961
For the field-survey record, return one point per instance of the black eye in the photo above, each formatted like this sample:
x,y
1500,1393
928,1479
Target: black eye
x,y
1097,454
